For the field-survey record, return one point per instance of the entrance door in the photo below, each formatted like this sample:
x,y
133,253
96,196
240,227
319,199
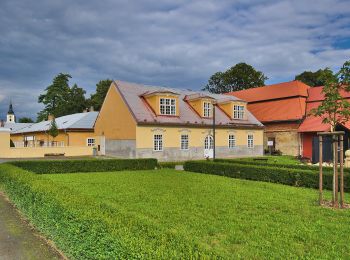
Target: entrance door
x,y
209,147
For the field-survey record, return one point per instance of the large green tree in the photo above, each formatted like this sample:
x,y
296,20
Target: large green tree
x,y
96,99
317,78
241,76
59,99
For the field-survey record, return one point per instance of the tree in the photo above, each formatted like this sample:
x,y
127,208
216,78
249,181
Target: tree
x,y
77,102
96,99
53,130
334,110
316,78
241,76
25,120
60,100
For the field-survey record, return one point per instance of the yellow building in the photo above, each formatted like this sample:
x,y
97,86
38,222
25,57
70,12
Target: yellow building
x,y
138,121
74,130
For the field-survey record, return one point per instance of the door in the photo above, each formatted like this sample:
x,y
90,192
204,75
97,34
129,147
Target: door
x,y
327,151
209,147
102,146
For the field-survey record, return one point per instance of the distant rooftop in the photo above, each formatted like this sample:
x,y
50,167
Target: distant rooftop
x,y
81,121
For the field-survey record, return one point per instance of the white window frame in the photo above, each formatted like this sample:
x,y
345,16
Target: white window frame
x,y
231,141
158,142
167,106
250,141
207,109
90,143
238,112
184,142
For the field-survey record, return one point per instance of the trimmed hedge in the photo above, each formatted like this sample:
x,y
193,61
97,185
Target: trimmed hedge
x,y
72,166
79,226
278,165
287,176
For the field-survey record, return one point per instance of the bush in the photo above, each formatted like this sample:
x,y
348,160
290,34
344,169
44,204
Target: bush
x,y
287,176
71,166
78,225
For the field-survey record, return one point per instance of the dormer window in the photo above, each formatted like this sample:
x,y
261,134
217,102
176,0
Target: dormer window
x,y
206,109
238,112
167,106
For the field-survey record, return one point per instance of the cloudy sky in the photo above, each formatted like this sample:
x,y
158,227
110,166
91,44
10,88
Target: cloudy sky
x,y
173,43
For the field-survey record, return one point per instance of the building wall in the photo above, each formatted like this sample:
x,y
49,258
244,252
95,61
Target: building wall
x,y
36,152
287,138
172,141
115,121
68,139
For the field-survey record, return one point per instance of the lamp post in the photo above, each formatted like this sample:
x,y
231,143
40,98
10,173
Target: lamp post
x,y
214,104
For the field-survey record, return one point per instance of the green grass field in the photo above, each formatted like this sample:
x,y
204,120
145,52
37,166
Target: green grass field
x,y
179,214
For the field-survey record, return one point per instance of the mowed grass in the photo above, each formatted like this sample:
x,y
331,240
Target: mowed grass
x,y
173,211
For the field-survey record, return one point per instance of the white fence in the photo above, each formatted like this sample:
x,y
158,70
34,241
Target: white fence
x,y
38,144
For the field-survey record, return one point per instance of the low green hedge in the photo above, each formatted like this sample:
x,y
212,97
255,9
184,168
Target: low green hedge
x,y
287,176
279,165
79,226
71,166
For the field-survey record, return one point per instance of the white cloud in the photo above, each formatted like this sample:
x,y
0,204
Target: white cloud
x,y
177,43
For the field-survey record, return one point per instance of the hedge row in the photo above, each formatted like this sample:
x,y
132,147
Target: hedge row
x,y
71,166
287,176
278,165
79,226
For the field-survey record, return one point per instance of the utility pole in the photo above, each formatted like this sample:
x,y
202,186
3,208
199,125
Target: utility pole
x,y
214,104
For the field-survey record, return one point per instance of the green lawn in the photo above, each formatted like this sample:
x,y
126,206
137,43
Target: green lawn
x,y
166,213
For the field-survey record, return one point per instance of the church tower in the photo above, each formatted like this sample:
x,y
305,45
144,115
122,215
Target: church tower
x,y
11,118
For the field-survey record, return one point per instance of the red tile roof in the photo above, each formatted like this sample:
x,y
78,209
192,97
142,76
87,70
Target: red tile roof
x,y
277,102
312,123
275,91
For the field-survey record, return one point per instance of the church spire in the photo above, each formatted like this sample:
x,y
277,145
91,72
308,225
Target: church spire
x,y
11,114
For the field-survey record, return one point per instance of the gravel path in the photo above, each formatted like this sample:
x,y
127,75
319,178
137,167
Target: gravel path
x,y
18,240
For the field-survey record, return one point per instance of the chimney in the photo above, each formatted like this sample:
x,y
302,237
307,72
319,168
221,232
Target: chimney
x,y
2,123
91,109
85,110
50,117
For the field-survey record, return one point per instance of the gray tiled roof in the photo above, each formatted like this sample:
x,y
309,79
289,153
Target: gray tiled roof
x,y
84,121
16,126
132,94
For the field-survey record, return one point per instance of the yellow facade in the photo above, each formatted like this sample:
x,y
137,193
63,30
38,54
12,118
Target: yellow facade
x,y
36,152
154,102
228,108
64,138
115,120
198,105
172,135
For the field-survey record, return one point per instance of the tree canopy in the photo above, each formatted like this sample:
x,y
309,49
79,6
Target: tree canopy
x,y
98,97
53,131
317,78
335,109
59,99
241,76
25,120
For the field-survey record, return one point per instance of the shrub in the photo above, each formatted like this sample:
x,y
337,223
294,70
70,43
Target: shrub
x,y
71,166
287,176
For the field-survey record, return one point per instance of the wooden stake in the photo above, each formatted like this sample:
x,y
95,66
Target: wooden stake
x,y
333,192
320,200
341,171
336,202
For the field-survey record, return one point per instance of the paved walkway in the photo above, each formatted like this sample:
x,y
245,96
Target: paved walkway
x,y
17,240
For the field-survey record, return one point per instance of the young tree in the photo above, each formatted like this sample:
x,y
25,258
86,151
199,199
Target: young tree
x,y
316,78
53,130
241,76
96,99
335,109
